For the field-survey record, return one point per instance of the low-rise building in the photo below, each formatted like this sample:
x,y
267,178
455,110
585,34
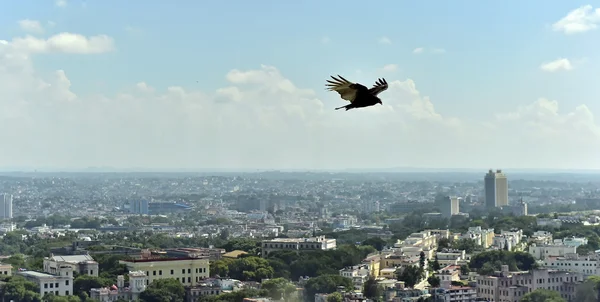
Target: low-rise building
x,y
5,269
512,286
137,284
297,244
82,264
190,271
60,284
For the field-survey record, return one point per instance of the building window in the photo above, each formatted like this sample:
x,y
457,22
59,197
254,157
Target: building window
x,y
67,283
56,293
189,279
91,272
182,279
56,285
66,293
183,270
45,285
153,273
160,272
172,272
51,285
189,270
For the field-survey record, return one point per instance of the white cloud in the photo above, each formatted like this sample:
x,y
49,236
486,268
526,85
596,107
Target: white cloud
x,y
31,26
262,119
64,43
385,40
390,68
579,20
420,50
60,3
561,64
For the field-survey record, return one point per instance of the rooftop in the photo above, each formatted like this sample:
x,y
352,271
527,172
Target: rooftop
x,y
36,274
162,259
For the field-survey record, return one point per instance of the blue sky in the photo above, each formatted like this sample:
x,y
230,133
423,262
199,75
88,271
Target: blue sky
x,y
493,48
491,63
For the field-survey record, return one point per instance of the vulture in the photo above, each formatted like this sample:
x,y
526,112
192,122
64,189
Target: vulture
x,y
358,95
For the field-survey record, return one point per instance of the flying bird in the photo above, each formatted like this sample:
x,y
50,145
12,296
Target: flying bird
x,y
357,94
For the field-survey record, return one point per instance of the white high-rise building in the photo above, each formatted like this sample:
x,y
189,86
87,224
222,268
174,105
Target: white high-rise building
x,y
6,207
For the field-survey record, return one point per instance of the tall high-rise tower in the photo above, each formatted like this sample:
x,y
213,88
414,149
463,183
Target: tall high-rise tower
x,y
495,189
489,188
6,211
501,189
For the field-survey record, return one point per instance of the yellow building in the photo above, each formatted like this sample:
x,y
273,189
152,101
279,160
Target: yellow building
x,y
374,263
5,269
190,271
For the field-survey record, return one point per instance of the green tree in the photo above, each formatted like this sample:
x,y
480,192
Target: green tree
x,y
588,290
250,269
335,297
436,264
326,284
279,288
371,289
464,270
84,283
434,281
411,275
542,295
19,289
164,290
375,242
422,260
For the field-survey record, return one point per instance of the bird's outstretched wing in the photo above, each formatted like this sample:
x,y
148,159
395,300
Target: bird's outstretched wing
x,y
345,88
380,86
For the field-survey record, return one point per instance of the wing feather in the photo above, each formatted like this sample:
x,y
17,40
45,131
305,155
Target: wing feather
x,y
380,86
345,88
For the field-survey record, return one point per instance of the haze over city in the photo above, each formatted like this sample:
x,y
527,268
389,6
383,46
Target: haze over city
x,y
240,85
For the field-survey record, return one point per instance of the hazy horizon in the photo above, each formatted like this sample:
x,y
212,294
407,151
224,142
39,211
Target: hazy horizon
x,y
177,85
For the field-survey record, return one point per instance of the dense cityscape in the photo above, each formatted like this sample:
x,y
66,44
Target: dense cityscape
x,y
277,236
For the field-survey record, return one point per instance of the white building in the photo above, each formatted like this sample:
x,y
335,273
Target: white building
x,y
137,284
60,284
541,252
507,286
454,205
82,264
451,257
482,237
586,265
574,241
358,274
297,244
541,237
448,274
6,207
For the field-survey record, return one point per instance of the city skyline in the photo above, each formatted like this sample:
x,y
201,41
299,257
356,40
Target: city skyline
x,y
85,86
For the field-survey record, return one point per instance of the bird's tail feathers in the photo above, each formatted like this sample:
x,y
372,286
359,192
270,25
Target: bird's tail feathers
x,y
338,108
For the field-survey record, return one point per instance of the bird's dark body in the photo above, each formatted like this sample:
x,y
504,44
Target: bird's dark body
x,y
357,94
363,98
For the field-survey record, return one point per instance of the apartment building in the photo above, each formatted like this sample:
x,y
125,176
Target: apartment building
x,y
541,252
506,286
190,271
358,274
60,284
585,265
297,244
82,264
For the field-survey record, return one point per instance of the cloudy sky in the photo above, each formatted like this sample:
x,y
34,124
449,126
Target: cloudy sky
x,y
240,84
